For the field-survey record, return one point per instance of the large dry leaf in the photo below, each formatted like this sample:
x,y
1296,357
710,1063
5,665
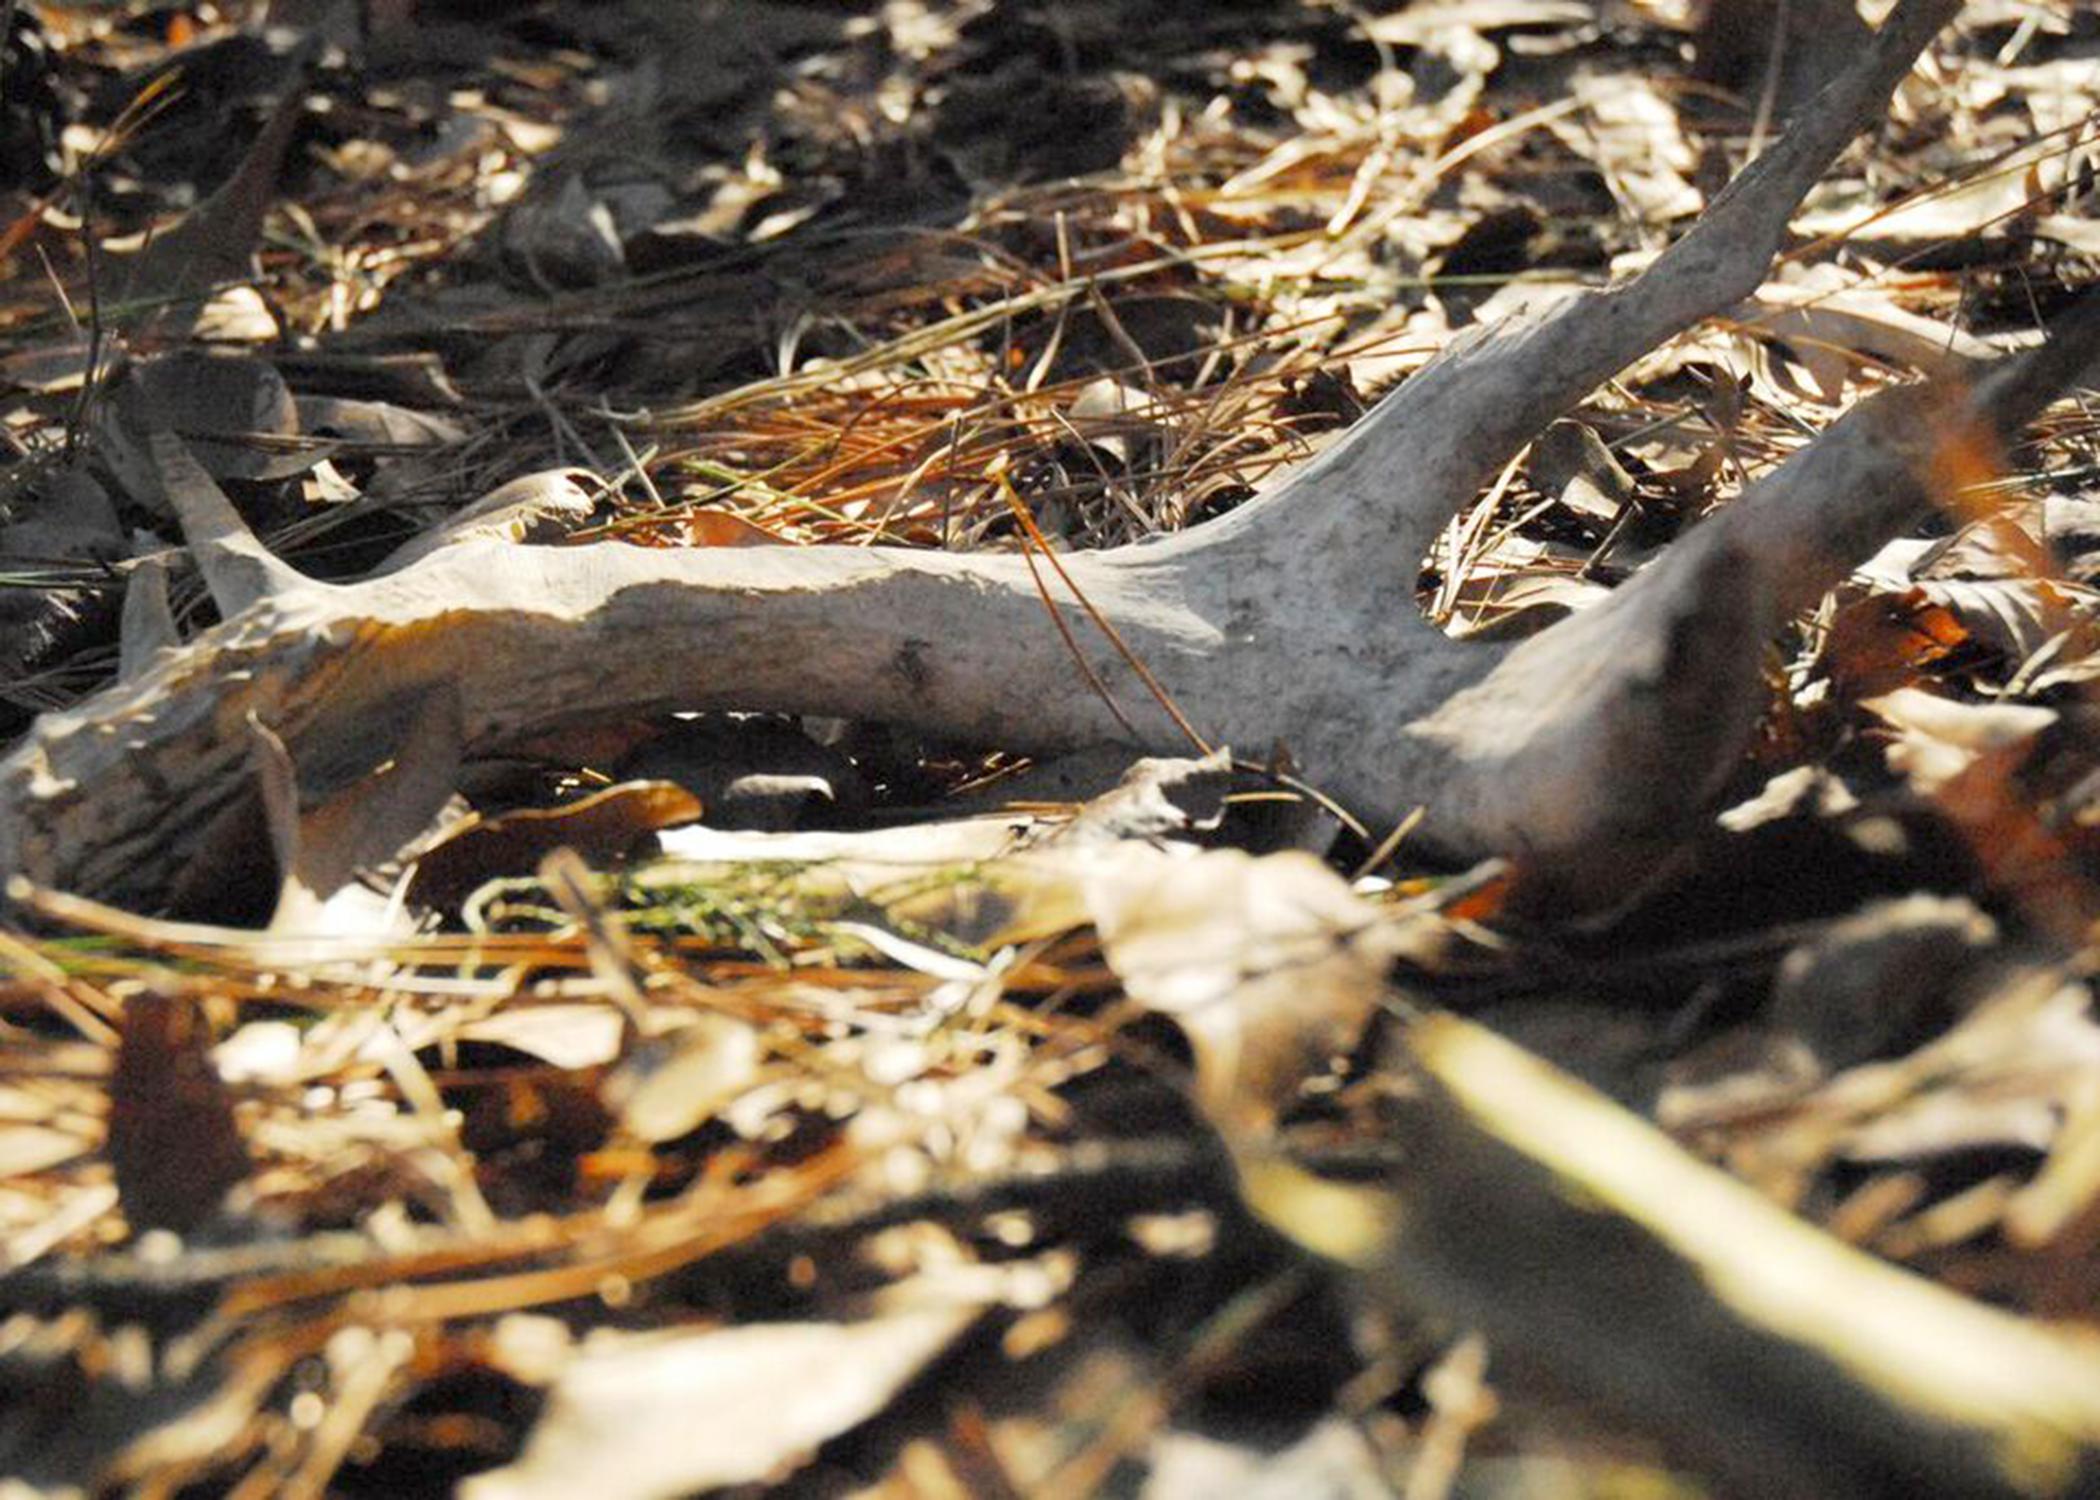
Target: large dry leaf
x,y
226,408
1867,322
656,1416
2008,1076
2014,617
1270,966
1996,578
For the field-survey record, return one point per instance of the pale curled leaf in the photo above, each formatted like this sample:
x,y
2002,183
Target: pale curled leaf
x,y
656,1416
530,508
1156,798
1937,738
673,1085
567,1036
1270,966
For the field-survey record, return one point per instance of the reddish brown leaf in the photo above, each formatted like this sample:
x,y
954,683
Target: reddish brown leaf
x,y
1882,642
718,528
172,1137
601,827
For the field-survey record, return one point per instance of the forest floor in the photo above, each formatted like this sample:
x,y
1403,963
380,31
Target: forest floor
x,y
741,1101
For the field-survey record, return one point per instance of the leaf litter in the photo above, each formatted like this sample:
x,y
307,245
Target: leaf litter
x,y
933,1140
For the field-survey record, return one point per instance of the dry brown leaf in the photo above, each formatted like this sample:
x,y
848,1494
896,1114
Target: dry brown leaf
x,y
1880,643
603,827
715,528
214,241
172,1137
226,408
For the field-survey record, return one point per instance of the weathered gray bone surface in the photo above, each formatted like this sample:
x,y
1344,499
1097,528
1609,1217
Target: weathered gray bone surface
x,y
1291,620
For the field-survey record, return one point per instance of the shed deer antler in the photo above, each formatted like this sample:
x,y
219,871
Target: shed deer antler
x,y
1290,620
